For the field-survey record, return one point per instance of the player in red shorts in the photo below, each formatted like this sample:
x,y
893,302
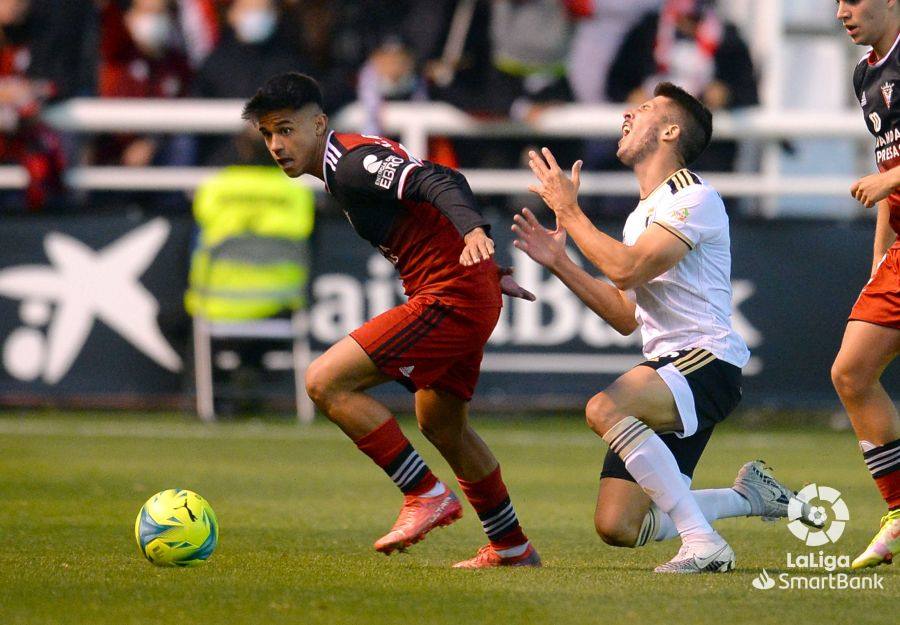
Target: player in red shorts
x,y
872,338
424,219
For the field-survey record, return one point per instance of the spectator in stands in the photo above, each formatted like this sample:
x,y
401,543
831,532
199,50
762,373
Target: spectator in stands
x,y
388,75
687,43
198,21
141,57
600,27
530,41
254,45
41,54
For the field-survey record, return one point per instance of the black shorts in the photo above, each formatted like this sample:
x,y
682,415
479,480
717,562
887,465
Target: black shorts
x,y
706,390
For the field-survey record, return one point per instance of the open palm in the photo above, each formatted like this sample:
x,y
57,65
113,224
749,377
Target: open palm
x,y
544,246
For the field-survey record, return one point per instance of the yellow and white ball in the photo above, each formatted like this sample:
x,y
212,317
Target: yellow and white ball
x,y
176,527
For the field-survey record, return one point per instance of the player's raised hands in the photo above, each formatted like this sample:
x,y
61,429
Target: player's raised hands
x,y
558,191
869,190
545,247
479,247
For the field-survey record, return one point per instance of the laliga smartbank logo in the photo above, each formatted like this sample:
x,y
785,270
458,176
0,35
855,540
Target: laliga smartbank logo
x,y
831,531
822,571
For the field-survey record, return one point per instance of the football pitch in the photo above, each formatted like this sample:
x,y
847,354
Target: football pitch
x,y
299,508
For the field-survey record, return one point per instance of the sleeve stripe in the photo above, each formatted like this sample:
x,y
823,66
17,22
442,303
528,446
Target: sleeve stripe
x,y
675,231
402,182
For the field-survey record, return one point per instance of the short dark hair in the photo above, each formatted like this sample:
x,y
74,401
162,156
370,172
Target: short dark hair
x,y
696,121
290,91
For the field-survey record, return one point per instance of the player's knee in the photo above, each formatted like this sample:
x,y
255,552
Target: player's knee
x,y
848,380
616,533
601,413
318,383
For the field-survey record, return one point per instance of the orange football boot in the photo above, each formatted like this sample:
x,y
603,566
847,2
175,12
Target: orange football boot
x,y
487,558
418,516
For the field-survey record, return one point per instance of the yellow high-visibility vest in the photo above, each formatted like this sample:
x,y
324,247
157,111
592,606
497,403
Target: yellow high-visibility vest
x,y
251,260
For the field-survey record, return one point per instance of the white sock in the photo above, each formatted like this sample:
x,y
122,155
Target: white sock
x,y
715,503
653,467
434,491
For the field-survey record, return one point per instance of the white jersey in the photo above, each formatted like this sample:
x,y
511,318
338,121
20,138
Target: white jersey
x,y
688,306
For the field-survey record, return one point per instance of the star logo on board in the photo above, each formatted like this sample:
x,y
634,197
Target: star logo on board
x,y
77,288
887,92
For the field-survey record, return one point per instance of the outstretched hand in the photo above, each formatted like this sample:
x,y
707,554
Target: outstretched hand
x,y
509,286
558,191
544,246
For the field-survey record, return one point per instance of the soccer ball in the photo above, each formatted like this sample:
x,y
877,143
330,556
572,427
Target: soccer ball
x,y
176,527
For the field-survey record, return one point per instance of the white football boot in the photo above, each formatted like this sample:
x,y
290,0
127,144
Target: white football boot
x,y
769,498
702,558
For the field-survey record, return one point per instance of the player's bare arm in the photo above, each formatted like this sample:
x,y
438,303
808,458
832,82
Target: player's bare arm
x,y
548,248
654,253
884,234
871,189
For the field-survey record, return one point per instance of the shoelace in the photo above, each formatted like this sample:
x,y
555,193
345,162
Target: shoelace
x,y
484,552
407,512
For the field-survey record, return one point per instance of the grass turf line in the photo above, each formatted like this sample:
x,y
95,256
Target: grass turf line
x,y
299,509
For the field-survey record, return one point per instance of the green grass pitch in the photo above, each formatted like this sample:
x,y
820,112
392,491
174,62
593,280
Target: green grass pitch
x,y
299,509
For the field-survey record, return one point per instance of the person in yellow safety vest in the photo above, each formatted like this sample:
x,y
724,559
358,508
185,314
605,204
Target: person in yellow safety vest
x,y
250,262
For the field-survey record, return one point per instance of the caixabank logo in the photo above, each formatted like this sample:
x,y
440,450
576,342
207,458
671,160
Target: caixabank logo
x,y
818,570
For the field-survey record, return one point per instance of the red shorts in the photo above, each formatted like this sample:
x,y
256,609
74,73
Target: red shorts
x,y
879,302
427,343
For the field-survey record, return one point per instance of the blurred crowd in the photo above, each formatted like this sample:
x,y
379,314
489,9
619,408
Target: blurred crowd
x,y
494,58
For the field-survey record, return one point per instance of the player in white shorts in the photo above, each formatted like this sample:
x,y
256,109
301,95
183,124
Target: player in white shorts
x,y
672,278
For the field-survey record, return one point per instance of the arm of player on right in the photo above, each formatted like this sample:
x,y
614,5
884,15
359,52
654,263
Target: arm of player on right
x,y
884,235
548,248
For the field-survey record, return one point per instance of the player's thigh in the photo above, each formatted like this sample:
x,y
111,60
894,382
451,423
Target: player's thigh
x,y
345,366
866,350
639,393
621,508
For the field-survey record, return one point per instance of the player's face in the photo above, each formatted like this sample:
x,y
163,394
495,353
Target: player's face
x,y
640,132
864,20
292,138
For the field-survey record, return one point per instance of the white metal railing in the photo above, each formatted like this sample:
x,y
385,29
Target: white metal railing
x,y
414,123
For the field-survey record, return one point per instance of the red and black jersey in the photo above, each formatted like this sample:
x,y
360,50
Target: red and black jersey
x,y
415,212
877,85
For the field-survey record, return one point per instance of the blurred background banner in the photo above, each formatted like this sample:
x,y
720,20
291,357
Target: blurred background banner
x,y
92,313
113,113
91,309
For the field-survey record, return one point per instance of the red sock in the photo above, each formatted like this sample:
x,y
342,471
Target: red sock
x,y
884,464
491,501
393,452
889,485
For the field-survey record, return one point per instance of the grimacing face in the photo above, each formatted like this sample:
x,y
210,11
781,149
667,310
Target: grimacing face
x,y
292,138
864,20
641,131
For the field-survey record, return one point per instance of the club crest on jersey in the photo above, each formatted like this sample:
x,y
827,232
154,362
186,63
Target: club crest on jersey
x,y
887,92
